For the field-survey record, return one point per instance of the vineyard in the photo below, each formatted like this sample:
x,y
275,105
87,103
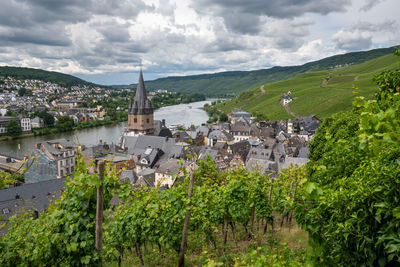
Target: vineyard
x,y
347,198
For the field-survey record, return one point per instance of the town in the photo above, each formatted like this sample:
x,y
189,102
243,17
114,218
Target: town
x,y
150,154
34,107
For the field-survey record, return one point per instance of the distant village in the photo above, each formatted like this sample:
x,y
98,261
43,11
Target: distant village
x,y
150,154
20,100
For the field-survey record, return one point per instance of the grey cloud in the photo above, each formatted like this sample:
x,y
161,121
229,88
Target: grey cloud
x,y
359,36
351,41
52,35
244,16
369,4
388,25
35,21
114,31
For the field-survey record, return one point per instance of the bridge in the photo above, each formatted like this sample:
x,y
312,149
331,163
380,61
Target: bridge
x,y
10,164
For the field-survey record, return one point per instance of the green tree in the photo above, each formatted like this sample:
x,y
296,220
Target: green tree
x,y
350,205
13,128
48,119
223,117
65,123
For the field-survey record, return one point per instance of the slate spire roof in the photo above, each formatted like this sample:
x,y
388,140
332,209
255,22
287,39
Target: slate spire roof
x,y
141,105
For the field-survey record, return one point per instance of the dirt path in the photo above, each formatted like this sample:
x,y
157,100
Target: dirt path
x,y
286,107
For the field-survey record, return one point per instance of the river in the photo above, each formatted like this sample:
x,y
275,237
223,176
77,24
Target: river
x,y
186,114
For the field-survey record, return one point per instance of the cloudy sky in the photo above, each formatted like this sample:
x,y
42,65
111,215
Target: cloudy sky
x,y
103,40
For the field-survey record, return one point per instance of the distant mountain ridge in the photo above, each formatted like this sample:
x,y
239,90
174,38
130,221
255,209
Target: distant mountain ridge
x,y
216,84
62,79
235,82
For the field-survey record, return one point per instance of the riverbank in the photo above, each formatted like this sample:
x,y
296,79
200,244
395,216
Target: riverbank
x,y
185,114
55,130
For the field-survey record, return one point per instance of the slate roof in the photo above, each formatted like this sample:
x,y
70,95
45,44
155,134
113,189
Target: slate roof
x,y
203,129
142,104
160,130
239,126
237,113
204,151
303,153
32,195
241,148
146,178
97,150
170,166
128,175
260,153
136,145
220,135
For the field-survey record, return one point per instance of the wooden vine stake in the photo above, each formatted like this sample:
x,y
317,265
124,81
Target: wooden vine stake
x,y
99,207
181,260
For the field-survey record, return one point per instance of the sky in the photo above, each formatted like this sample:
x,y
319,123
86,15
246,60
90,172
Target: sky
x,y
104,41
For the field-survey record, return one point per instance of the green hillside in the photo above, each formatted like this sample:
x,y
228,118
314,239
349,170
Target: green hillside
x,y
233,82
43,75
321,92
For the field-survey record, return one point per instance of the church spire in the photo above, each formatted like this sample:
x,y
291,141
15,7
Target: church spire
x,y
141,104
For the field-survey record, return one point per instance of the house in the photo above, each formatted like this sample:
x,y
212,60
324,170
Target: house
x,y
146,178
286,99
169,171
50,160
240,131
37,122
261,159
240,149
219,136
25,123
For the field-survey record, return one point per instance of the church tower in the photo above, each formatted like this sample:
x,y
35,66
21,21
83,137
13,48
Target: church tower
x,y
141,113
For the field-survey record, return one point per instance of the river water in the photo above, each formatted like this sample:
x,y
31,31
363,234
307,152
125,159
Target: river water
x,y
186,114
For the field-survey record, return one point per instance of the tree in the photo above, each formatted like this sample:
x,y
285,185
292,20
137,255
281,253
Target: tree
x,y
223,117
350,205
13,128
48,119
65,123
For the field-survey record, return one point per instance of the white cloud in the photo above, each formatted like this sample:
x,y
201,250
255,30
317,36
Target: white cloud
x,y
186,36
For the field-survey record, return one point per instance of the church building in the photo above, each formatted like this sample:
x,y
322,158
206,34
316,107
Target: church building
x,y
141,113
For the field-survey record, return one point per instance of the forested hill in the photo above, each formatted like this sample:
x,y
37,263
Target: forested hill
x,y
43,75
239,81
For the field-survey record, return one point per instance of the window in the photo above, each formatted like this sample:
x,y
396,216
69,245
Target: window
x,y
148,120
135,120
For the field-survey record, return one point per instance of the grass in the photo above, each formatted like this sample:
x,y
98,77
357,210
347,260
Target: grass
x,y
321,93
286,245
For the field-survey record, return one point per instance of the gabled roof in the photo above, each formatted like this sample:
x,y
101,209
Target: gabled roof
x,y
259,153
138,144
